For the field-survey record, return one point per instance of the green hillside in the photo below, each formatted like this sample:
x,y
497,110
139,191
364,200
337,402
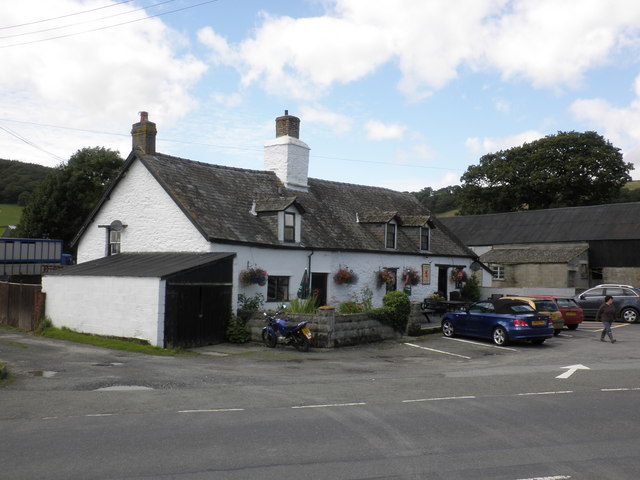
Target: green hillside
x,y
9,215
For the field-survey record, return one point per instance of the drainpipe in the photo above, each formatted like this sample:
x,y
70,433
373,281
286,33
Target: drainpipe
x,y
309,264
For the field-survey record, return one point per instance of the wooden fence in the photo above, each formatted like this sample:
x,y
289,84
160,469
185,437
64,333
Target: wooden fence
x,y
21,305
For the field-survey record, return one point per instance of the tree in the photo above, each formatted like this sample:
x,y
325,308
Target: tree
x,y
439,201
568,169
63,200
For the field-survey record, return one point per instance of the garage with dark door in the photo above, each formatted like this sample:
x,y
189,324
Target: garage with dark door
x,y
168,299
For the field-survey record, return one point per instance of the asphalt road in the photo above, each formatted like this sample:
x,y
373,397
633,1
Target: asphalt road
x,y
427,408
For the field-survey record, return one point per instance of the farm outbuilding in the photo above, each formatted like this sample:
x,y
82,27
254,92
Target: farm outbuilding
x,y
168,299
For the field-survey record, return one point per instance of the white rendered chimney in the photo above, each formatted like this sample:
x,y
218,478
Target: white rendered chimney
x,y
287,155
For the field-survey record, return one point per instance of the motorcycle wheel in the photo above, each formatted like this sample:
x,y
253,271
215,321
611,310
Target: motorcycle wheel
x,y
301,342
269,339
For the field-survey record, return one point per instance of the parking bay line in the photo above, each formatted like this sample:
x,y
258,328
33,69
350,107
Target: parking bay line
x,y
437,351
481,344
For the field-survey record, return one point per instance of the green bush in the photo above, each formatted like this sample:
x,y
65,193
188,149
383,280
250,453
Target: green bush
x,y
237,331
247,306
307,305
395,310
349,306
471,290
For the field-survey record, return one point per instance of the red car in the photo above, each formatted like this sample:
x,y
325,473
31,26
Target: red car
x,y
573,315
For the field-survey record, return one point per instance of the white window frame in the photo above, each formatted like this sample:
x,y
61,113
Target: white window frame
x,y
115,242
497,271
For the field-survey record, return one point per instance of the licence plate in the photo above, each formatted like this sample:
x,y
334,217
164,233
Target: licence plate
x,y
570,314
307,332
538,322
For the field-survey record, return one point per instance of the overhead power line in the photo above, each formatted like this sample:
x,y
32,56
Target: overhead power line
x,y
93,20
214,145
109,26
65,16
29,142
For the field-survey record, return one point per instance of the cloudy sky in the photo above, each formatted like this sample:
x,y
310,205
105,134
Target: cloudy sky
x,y
403,94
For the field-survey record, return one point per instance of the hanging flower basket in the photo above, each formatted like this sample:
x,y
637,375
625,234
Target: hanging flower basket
x,y
386,276
345,276
458,275
411,276
253,276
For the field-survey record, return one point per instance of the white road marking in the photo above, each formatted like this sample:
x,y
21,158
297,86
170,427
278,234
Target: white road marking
x,y
331,405
438,398
572,370
481,344
99,415
213,410
554,477
544,393
437,351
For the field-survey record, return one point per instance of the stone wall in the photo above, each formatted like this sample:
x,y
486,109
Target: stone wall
x,y
330,329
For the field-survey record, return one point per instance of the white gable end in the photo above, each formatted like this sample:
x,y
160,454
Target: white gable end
x,y
154,223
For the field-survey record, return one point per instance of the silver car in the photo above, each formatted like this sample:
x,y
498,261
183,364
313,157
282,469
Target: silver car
x,y
626,299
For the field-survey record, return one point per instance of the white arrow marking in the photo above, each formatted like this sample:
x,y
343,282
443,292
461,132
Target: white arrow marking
x,y
572,370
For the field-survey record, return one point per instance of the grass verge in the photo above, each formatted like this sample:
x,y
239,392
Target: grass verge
x,y
129,345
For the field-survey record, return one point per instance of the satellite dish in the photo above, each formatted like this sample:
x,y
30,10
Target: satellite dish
x,y
116,226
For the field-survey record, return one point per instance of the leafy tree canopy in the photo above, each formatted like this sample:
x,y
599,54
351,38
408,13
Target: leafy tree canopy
x,y
439,201
63,200
564,170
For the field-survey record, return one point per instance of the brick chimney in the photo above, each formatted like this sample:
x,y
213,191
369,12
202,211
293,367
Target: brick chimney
x,y
287,155
143,134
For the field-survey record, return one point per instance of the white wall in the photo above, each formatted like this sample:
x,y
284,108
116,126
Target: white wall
x,y
154,222
120,306
292,263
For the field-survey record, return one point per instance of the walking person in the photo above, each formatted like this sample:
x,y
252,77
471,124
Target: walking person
x,y
606,314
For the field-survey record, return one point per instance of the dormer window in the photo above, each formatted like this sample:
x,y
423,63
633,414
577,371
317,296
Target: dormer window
x,y
390,236
424,238
289,227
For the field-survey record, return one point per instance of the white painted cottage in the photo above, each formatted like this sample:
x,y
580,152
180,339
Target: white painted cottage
x,y
161,256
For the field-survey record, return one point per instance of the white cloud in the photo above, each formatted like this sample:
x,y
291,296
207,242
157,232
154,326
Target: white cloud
x,y
337,122
99,78
548,43
379,131
481,146
621,126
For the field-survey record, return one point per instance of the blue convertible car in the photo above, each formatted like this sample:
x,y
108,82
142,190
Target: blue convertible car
x,y
499,320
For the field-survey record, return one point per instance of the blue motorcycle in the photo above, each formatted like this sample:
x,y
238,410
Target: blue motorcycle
x,y
277,331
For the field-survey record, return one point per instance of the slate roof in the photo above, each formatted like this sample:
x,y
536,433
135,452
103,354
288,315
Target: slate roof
x,y
617,221
141,264
234,205
534,254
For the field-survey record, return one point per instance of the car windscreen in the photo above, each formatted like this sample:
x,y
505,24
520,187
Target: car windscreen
x,y
566,303
545,305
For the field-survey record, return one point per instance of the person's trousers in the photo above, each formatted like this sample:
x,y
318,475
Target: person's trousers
x,y
606,330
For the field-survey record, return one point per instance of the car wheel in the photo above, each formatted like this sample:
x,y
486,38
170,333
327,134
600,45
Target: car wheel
x,y
500,336
538,341
629,315
556,332
448,329
572,326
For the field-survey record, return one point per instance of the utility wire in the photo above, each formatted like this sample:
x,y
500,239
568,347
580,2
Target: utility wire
x,y
213,145
109,26
65,16
84,22
30,143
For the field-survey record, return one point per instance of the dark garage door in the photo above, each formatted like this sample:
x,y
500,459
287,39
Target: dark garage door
x,y
196,315
198,305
